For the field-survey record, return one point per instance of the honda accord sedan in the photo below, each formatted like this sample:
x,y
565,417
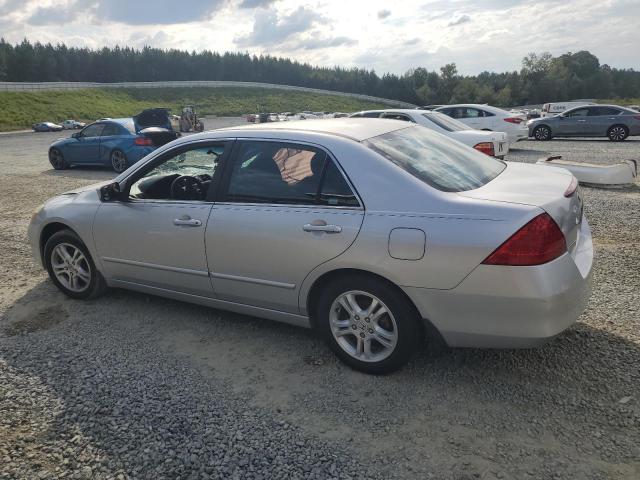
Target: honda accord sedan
x,y
378,234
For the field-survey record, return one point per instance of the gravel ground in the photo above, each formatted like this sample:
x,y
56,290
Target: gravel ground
x,y
134,386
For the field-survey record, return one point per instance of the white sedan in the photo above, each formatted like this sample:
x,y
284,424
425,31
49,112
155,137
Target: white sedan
x,y
485,117
494,144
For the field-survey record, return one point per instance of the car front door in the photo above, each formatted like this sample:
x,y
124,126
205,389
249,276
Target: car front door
x,y
573,122
286,208
154,236
85,148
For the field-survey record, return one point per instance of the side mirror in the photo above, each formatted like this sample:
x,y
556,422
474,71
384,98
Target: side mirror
x,y
111,192
75,135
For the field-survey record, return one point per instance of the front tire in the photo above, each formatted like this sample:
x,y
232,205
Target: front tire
x,y
71,267
618,133
56,159
542,133
368,323
118,161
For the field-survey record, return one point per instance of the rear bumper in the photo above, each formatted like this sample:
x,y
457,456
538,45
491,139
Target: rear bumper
x,y
512,307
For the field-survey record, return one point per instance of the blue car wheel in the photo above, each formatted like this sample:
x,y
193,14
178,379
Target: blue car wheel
x,y
57,159
118,161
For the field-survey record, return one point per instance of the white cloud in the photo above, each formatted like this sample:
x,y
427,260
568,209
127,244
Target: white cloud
x,y
489,35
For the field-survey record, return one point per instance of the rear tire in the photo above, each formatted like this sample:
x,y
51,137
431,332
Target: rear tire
x,y
71,267
542,133
118,161
368,323
56,159
618,133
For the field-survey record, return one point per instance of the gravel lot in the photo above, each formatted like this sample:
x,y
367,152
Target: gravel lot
x,y
134,386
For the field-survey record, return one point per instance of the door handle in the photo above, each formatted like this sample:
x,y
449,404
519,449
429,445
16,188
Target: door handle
x,y
313,227
187,222
581,121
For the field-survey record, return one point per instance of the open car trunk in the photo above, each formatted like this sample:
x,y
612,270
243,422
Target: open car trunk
x,y
155,123
539,186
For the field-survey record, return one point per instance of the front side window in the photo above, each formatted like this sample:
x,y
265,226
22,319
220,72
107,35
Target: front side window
x,y
111,129
439,161
580,112
93,130
186,175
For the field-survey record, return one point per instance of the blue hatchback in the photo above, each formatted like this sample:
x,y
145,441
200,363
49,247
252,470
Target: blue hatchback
x,y
117,143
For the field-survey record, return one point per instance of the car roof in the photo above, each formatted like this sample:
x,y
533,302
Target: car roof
x,y
357,129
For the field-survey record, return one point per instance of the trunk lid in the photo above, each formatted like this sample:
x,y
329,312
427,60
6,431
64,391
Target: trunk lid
x,y
539,186
155,123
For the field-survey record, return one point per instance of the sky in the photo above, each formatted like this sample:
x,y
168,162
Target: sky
x,y
386,36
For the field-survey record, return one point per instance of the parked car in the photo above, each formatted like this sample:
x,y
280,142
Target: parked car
x,y
634,107
611,121
429,107
553,109
46,127
375,233
494,144
117,143
72,124
485,117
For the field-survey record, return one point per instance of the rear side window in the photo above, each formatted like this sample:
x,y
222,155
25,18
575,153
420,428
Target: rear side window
x,y
598,111
274,172
111,129
437,160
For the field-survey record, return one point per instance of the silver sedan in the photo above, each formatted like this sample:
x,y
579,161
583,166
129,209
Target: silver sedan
x,y
378,234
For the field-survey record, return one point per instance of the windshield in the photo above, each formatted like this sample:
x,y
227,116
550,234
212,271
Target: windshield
x,y
445,122
438,161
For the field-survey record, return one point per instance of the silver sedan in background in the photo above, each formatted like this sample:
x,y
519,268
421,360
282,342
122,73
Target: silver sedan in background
x,y
377,233
611,121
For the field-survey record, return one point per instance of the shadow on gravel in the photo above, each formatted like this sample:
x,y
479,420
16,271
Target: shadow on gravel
x,y
136,374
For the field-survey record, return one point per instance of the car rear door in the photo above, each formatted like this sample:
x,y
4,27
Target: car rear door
x,y
285,208
86,146
600,119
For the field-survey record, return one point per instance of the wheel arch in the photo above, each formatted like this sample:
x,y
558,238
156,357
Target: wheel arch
x,y
626,128
48,231
311,301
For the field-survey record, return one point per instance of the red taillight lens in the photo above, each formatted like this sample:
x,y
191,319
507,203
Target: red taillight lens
x,y
143,141
513,120
538,242
485,147
637,117
571,189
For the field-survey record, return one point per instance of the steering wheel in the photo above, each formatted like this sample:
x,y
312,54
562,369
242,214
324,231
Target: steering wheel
x,y
187,187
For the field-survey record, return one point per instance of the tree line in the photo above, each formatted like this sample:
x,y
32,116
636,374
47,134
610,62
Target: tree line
x,y
541,78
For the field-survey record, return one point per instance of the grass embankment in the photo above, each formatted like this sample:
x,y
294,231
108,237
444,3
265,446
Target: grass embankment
x,y
19,110
620,101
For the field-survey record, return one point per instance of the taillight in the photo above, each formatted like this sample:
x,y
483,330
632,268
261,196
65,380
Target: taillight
x,y
571,189
143,141
637,117
513,120
538,242
485,147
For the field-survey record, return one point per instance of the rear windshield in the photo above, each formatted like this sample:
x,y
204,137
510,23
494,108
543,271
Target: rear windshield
x,y
446,122
435,159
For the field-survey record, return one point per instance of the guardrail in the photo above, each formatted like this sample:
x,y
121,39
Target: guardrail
x,y
43,86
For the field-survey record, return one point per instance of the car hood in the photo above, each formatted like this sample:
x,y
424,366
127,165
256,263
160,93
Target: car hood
x,y
94,186
62,141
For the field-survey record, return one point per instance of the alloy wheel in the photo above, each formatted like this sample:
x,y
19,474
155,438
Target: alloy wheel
x,y
56,159
617,134
363,326
118,161
70,267
542,133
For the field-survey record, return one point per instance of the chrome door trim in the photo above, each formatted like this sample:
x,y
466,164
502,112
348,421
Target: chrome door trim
x,y
259,281
188,271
